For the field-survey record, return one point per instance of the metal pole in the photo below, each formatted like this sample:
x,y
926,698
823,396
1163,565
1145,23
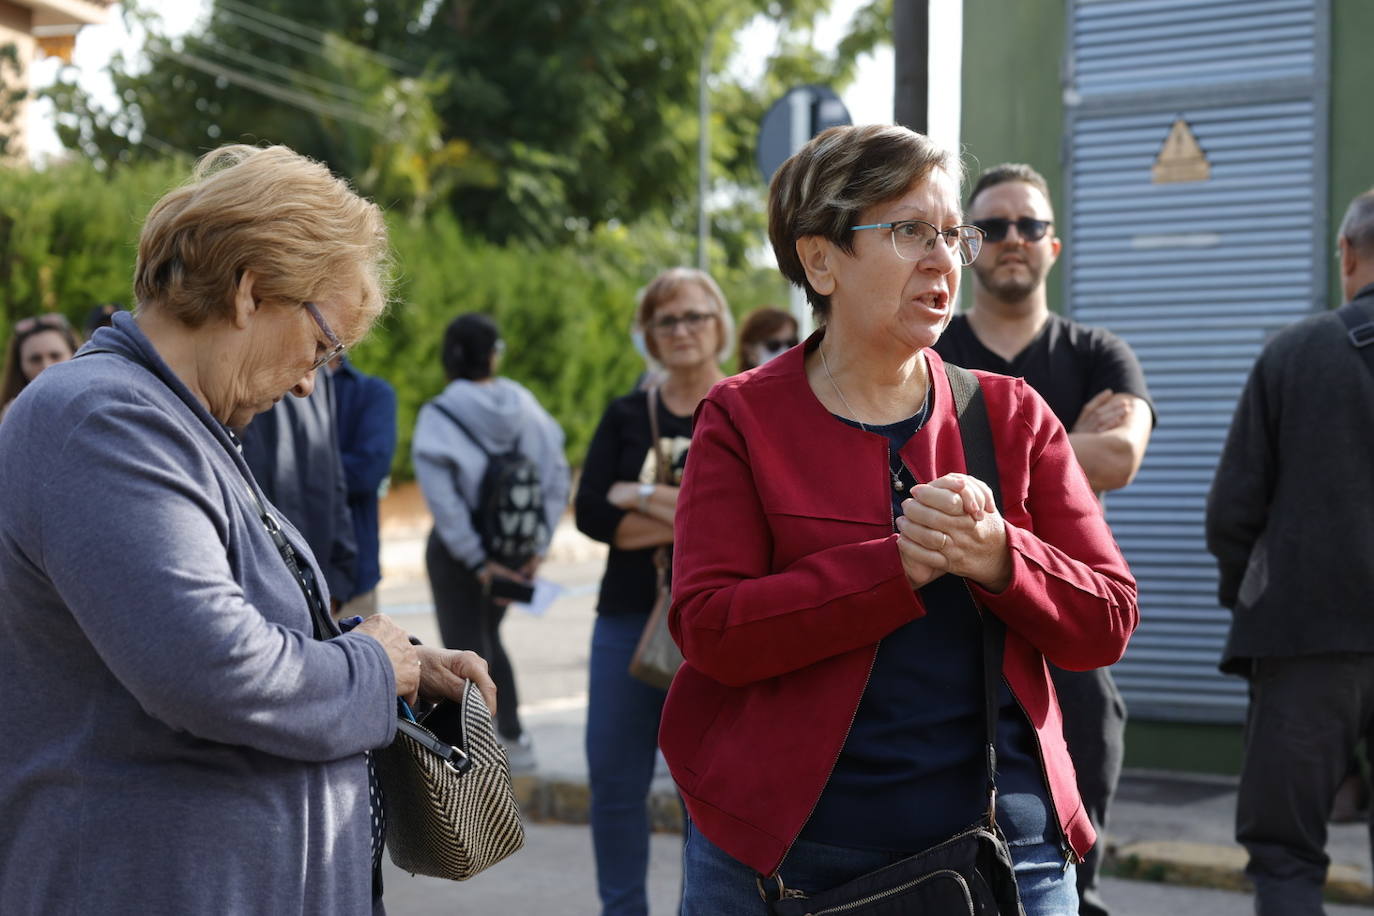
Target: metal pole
x,y
704,147
911,50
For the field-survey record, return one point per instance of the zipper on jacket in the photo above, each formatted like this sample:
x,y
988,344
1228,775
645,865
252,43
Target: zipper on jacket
x,y
1065,849
946,873
873,662
830,772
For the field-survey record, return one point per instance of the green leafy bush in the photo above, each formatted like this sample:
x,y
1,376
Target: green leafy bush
x,y
68,239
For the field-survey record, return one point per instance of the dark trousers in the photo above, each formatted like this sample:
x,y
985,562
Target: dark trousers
x,y
1306,715
469,620
1095,729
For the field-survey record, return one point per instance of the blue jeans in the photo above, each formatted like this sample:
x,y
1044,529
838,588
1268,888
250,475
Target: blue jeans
x,y
622,741
714,884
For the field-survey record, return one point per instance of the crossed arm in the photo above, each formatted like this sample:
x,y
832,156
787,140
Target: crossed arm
x,y
1109,438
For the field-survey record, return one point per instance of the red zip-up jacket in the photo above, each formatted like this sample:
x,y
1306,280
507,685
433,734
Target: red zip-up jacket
x,y
786,575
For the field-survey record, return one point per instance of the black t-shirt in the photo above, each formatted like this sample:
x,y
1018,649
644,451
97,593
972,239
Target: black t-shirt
x,y
1067,363
620,450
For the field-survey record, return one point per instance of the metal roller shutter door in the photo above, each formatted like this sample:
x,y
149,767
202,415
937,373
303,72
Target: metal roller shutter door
x,y
1194,275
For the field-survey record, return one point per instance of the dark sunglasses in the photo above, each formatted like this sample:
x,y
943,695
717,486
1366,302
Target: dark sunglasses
x,y
1030,230
778,345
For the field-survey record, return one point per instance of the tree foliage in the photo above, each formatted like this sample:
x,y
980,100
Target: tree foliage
x,y
529,117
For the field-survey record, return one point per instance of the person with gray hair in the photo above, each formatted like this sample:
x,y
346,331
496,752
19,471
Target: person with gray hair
x,y
1298,579
834,547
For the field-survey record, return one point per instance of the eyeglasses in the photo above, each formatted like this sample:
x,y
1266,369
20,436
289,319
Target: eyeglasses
x,y
1031,230
692,321
336,346
49,322
913,239
778,345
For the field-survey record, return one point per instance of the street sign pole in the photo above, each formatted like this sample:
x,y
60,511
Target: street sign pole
x,y
787,126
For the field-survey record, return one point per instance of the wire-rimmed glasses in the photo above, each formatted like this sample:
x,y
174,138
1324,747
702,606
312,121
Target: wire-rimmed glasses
x,y
336,346
913,239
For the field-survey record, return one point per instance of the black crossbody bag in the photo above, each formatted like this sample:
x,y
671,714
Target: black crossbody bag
x,y
971,872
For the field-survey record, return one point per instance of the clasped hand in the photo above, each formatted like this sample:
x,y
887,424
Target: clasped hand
x,y
951,525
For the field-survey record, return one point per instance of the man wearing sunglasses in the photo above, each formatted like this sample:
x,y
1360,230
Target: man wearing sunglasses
x,y
1094,384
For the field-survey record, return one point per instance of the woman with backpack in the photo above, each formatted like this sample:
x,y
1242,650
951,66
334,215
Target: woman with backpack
x,y
626,498
489,460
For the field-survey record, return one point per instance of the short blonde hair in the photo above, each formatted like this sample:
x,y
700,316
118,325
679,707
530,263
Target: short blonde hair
x,y
304,233
665,287
831,180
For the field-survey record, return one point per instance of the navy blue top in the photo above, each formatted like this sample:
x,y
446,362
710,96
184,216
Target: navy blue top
x,y
365,409
911,772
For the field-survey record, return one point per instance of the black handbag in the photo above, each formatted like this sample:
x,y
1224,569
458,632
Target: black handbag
x,y
971,872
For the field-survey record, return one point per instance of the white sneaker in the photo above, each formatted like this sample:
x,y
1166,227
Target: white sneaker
x,y
519,753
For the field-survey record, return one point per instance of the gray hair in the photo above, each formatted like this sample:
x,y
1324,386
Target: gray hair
x,y
831,180
1358,226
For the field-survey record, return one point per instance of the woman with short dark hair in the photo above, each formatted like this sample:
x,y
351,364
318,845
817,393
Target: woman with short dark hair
x,y
478,415
830,548
766,333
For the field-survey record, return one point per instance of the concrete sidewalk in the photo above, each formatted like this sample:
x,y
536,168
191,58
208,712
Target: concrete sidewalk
x,y
1168,827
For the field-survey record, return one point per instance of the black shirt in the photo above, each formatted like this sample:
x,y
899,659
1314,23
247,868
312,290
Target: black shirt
x,y
1067,363
620,451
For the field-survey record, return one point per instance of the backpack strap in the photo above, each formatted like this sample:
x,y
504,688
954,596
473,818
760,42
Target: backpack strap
x,y
661,563
461,425
980,457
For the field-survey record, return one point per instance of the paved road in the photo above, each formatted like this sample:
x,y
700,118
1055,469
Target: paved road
x,y
554,874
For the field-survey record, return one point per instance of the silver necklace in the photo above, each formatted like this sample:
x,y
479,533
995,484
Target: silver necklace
x,y
825,364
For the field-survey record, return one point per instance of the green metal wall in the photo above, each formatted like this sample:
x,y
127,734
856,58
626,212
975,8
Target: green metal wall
x,y
1352,127
1013,108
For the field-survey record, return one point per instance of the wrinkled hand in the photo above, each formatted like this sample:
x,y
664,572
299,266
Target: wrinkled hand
x,y
952,525
1107,410
444,673
404,659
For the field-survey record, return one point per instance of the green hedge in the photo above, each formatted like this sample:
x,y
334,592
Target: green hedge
x,y
68,237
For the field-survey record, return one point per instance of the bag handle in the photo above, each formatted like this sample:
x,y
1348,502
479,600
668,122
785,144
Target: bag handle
x,y
980,458
660,472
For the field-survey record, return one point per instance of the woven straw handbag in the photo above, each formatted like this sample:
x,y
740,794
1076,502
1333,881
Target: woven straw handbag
x,y
446,788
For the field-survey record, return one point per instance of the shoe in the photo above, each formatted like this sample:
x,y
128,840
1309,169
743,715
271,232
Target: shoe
x,y
519,753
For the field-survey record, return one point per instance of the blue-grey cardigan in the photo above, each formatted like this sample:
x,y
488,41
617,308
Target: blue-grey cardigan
x,y
172,740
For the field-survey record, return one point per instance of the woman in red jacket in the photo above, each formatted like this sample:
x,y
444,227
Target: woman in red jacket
x,y
827,721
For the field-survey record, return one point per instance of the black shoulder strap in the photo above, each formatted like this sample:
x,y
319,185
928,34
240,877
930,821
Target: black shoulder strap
x,y
461,425
1360,329
981,459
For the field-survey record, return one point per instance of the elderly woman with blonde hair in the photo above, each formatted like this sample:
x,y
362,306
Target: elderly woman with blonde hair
x,y
188,745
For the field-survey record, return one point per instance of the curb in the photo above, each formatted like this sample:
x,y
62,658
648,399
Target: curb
x,y
550,798
553,799
1213,866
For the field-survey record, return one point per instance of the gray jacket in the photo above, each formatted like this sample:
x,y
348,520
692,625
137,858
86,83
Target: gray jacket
x,y
449,466
1288,516
174,741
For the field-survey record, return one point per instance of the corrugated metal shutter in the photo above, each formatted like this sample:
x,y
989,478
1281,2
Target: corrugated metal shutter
x,y
1193,275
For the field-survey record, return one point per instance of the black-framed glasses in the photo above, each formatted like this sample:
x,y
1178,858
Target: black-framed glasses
x,y
336,346
913,239
692,321
1029,228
